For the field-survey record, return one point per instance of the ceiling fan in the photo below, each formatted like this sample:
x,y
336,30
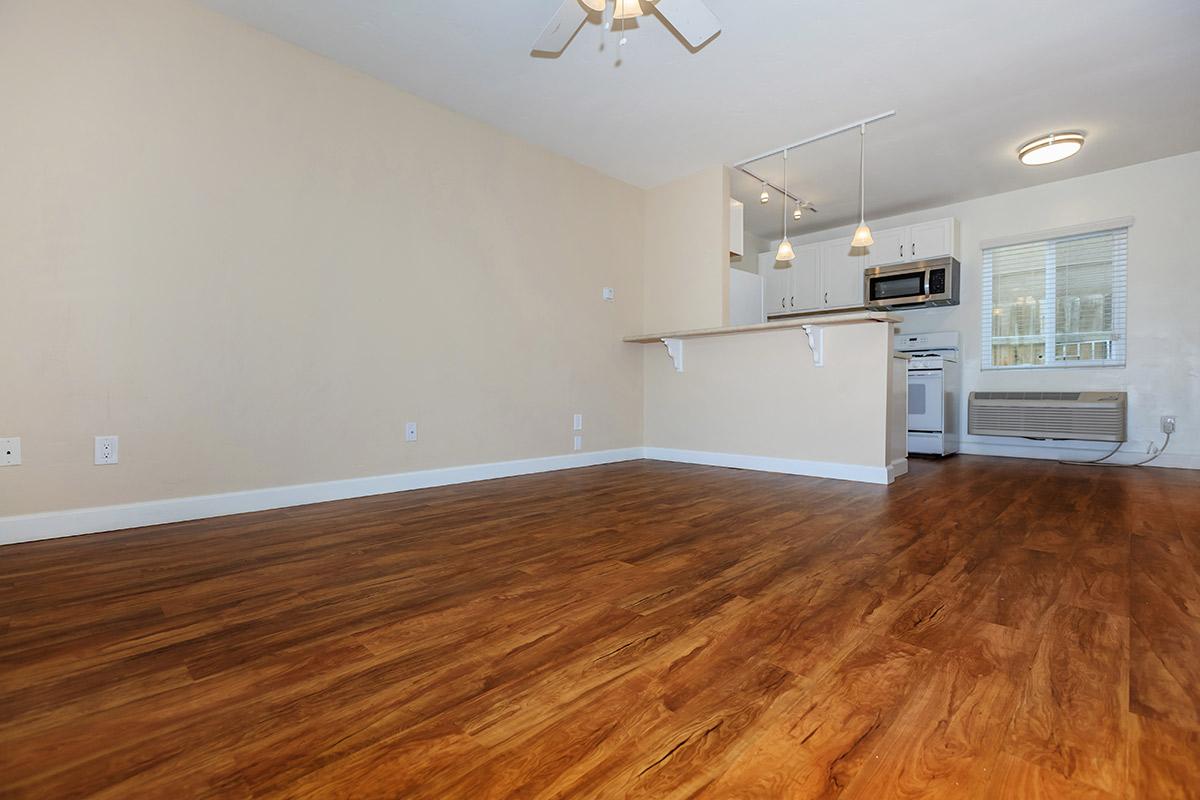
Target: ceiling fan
x,y
691,19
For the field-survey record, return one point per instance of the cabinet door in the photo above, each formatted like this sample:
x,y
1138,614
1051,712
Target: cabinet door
x,y
776,284
891,247
842,276
931,239
806,278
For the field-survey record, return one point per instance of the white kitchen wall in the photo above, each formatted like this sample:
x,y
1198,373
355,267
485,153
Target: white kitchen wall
x,y
1162,373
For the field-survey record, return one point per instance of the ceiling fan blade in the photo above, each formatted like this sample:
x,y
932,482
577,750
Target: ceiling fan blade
x,y
691,19
558,34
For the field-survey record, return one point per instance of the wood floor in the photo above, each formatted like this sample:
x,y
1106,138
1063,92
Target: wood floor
x,y
980,629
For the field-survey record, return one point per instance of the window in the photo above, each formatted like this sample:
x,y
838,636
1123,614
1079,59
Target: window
x,y
1056,302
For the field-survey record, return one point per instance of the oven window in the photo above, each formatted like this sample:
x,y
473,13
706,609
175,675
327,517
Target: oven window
x,y
889,287
916,397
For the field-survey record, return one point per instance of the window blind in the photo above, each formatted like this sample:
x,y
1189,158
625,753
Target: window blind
x,y
1056,302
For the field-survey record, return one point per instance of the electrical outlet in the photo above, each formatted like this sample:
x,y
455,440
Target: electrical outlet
x,y
577,423
1168,424
410,431
608,293
578,442
106,449
10,452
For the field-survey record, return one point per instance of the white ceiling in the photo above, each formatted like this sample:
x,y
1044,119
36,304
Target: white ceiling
x,y
970,80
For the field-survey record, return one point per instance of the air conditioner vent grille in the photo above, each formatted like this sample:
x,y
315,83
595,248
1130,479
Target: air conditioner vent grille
x,y
1027,395
1090,416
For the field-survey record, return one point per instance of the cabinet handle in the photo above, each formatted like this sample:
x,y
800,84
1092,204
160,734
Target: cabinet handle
x,y
792,301
913,250
902,251
827,298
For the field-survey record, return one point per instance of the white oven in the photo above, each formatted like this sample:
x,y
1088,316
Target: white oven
x,y
925,391
933,391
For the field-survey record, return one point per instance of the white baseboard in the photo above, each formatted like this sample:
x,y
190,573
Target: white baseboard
x,y
54,524
788,466
897,468
1082,451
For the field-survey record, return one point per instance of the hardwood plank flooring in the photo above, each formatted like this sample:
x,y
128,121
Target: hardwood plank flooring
x,y
982,628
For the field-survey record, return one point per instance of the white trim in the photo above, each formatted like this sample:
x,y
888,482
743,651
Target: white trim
x,y
897,468
54,524
788,466
1057,233
1072,451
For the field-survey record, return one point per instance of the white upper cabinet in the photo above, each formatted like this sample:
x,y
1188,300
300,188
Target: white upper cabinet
x,y
737,230
889,248
842,276
932,239
777,284
914,243
806,278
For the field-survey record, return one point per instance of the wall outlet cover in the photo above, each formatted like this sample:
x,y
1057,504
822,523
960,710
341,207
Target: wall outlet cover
x,y
578,442
1168,424
608,293
106,450
410,431
10,452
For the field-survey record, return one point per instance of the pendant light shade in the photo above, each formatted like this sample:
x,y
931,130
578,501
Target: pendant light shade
x,y
765,197
627,9
797,213
862,234
785,252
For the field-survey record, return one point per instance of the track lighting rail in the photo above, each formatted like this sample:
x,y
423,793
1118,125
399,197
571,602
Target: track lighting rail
x,y
778,150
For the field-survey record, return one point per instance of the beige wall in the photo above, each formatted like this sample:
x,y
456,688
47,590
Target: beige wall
x,y
758,394
1163,358
687,253
254,265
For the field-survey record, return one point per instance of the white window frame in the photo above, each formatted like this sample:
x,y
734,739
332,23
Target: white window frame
x,y
1117,348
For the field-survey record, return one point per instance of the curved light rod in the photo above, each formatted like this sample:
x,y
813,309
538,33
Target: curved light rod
x,y
851,126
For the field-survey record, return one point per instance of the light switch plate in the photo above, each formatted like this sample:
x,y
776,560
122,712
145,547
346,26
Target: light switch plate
x,y
106,450
578,442
10,452
578,422
608,293
410,431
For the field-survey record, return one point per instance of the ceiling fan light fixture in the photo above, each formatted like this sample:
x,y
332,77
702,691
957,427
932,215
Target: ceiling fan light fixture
x,y
627,9
1050,148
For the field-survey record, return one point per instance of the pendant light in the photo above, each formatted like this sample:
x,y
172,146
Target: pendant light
x,y
799,212
786,253
765,197
862,234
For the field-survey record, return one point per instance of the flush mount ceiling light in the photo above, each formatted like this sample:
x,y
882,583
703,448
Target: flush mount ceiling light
x,y
1050,148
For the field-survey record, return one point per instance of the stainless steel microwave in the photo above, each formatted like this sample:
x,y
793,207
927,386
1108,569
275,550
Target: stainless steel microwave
x,y
915,285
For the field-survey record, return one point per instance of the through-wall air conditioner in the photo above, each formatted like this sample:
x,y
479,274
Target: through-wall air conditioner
x,y
1089,416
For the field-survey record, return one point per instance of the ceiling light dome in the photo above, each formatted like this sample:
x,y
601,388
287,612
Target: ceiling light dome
x,y
1050,148
627,9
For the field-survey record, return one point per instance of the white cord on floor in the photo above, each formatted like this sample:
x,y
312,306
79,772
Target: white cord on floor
x,y
1100,462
